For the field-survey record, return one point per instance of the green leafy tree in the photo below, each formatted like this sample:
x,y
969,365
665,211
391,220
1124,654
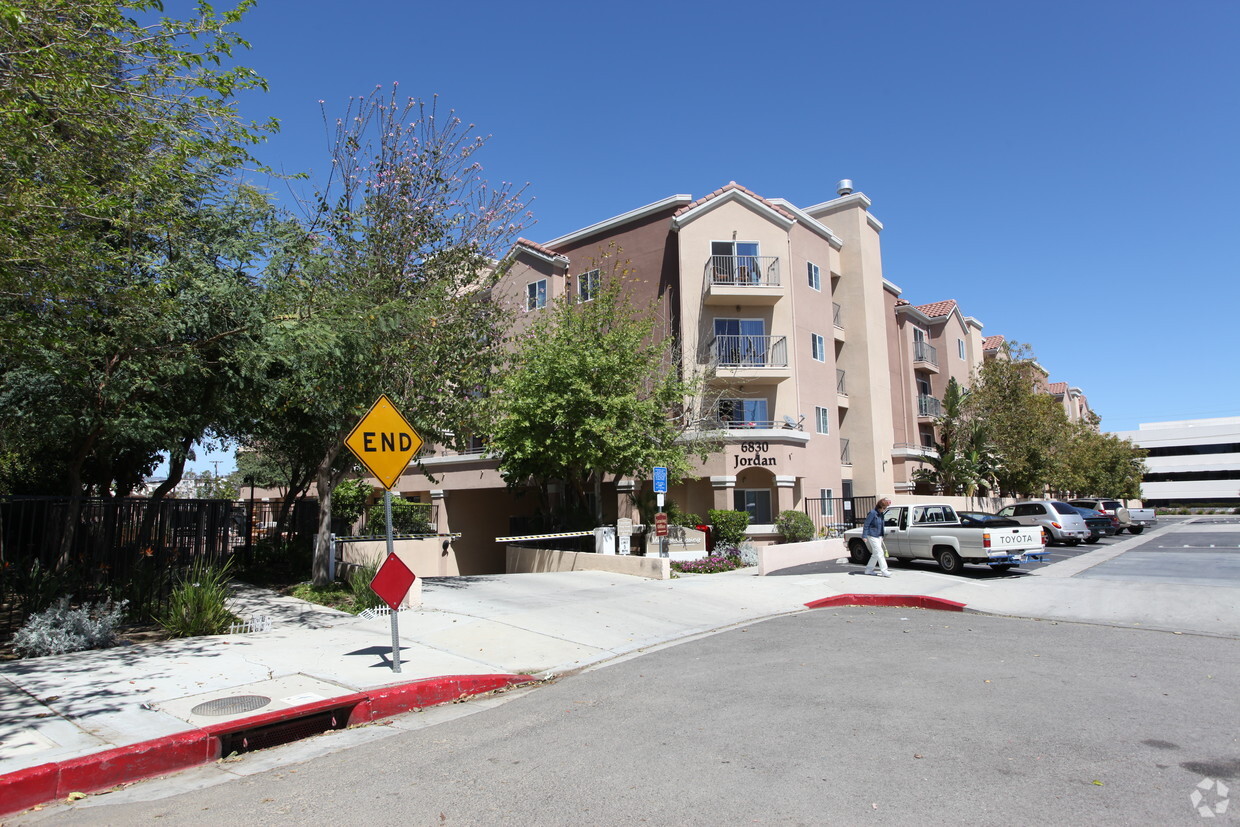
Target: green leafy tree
x,y
1100,464
383,291
592,389
1026,428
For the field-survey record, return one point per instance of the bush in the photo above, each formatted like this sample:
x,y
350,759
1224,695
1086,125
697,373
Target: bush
x,y
709,565
795,526
359,587
199,601
407,518
728,526
349,500
60,629
677,517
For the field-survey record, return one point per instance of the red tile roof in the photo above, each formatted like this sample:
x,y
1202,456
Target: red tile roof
x,y
533,245
733,186
902,302
992,342
1057,387
943,308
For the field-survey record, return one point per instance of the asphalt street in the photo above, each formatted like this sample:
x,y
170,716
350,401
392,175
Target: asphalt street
x,y
883,716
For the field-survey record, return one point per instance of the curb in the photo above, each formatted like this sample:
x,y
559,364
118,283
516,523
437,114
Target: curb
x,y
25,788
908,601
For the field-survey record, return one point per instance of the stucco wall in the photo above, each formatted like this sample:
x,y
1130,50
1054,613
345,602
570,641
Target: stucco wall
x,y
522,560
787,555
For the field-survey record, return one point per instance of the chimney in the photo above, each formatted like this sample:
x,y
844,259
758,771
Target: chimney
x,y
844,187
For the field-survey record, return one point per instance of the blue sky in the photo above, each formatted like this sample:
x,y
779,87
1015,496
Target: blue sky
x,y
1067,171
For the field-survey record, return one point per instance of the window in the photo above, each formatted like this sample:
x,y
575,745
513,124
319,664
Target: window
x,y
587,286
757,501
815,276
822,418
740,341
960,347
743,413
819,347
536,294
827,508
735,262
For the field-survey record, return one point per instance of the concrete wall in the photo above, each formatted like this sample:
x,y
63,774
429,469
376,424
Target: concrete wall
x,y
786,555
522,560
423,557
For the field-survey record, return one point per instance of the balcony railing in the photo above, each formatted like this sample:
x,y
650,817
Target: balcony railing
x,y
840,387
923,352
746,351
835,315
845,456
928,405
743,271
724,423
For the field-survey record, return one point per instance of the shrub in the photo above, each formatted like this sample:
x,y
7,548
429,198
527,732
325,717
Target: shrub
x,y
407,518
60,629
359,578
795,526
728,526
349,500
709,565
199,601
677,517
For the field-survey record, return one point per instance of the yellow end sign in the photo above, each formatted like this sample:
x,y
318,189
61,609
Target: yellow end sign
x,y
384,441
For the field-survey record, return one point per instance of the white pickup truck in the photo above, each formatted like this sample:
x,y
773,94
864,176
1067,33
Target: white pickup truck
x,y
936,532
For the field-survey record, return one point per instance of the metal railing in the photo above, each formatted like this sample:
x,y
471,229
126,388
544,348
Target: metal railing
x,y
723,423
845,455
833,516
742,271
928,405
913,446
927,353
835,315
746,351
840,387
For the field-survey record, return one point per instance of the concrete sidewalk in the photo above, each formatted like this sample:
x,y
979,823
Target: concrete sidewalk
x,y
87,721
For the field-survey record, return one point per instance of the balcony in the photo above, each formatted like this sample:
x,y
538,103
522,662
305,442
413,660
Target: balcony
x,y
837,321
841,388
911,450
845,455
762,359
928,406
743,280
925,357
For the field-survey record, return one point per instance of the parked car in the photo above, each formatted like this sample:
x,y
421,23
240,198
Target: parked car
x,y
1100,525
985,519
1134,520
1059,520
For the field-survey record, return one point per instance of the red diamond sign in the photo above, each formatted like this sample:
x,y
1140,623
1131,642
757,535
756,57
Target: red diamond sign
x,y
392,581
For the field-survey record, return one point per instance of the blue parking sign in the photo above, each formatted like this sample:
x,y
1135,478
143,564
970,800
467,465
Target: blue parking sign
x,y
660,480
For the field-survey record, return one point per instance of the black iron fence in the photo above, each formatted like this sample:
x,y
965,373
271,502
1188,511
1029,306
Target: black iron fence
x,y
833,516
129,548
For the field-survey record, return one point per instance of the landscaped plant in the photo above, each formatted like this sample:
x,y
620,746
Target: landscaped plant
x,y
677,517
62,628
199,601
728,526
709,565
359,578
795,526
407,518
348,502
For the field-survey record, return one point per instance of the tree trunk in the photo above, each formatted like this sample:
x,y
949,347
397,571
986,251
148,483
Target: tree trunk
x,y
326,479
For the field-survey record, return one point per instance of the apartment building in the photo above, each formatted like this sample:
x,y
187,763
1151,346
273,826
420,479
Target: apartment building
x,y
827,381
1190,462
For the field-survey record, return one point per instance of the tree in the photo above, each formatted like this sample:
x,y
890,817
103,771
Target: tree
x,y
125,251
593,388
1100,464
1027,428
384,291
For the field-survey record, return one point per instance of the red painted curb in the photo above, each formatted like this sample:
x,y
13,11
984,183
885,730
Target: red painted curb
x,y
25,788
909,601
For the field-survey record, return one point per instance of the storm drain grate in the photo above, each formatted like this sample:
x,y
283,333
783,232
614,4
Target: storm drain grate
x,y
233,705
283,732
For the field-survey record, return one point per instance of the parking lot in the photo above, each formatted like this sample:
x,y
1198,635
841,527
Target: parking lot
x,y
1191,550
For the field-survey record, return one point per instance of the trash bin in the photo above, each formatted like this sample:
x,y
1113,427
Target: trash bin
x,y
605,539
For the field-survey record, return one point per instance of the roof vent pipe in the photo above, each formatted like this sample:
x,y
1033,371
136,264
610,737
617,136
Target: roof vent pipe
x,y
844,187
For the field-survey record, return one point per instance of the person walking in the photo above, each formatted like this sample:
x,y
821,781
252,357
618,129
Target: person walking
x,y
872,533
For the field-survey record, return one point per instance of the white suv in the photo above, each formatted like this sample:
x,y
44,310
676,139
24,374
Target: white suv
x,y
1060,521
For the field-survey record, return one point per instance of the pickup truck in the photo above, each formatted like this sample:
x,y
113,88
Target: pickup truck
x,y
936,532
1134,520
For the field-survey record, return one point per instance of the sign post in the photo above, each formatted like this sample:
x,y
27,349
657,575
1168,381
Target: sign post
x,y
384,442
660,519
